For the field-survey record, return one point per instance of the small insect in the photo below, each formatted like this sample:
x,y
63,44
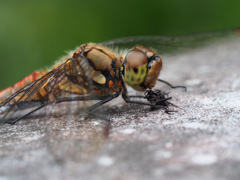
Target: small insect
x,y
159,99
94,72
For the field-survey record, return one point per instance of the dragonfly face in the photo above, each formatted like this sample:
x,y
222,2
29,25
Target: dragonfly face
x,y
141,68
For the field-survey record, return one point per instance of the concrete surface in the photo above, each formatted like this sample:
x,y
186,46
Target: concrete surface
x,y
200,141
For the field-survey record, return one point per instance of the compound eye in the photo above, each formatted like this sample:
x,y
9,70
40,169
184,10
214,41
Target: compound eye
x,y
135,67
136,58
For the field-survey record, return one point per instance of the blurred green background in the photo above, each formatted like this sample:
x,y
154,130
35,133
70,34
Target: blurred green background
x,y
34,34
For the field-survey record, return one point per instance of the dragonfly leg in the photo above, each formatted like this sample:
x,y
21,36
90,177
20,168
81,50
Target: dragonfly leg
x,y
107,99
18,119
128,100
170,85
145,97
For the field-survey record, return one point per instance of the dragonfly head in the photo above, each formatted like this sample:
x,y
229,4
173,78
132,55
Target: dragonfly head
x,y
141,68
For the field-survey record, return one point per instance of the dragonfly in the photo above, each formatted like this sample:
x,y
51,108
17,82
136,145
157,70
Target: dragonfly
x,y
97,71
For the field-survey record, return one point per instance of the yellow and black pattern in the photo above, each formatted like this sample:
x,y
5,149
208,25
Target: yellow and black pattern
x,y
135,76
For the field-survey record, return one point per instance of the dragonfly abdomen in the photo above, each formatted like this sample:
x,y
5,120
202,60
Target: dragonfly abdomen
x,y
5,93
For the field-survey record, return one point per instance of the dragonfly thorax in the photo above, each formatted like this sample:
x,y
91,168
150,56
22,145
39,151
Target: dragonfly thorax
x,y
141,68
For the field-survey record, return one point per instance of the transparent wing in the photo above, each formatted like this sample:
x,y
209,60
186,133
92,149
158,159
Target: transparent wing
x,y
171,45
67,82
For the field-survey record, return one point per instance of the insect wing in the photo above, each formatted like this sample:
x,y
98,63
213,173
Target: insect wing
x,y
67,82
177,44
23,99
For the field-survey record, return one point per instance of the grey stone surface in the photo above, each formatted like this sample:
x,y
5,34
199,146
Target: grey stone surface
x,y
200,141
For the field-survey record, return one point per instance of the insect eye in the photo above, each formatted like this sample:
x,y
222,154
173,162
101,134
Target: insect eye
x,y
136,58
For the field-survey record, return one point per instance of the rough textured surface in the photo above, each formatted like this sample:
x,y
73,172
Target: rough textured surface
x,y
200,141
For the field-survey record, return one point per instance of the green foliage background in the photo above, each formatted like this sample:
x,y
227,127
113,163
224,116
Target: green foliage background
x,y
34,34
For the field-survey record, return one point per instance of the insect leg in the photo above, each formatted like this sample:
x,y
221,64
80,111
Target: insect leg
x,y
136,96
18,119
94,106
145,97
107,99
128,100
167,83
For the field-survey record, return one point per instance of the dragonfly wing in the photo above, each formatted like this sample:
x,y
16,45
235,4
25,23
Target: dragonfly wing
x,y
171,45
25,98
69,81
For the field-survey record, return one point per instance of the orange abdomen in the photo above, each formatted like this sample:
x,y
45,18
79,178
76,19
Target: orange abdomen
x,y
5,93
